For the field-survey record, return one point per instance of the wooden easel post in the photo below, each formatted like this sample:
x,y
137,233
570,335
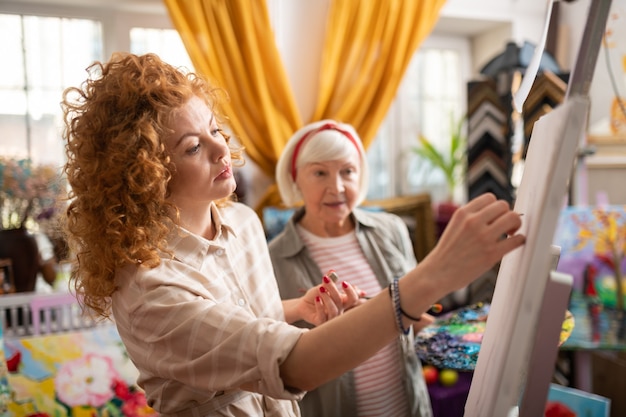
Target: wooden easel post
x,y
546,346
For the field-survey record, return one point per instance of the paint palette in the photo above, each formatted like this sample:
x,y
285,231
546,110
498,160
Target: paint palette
x,y
453,340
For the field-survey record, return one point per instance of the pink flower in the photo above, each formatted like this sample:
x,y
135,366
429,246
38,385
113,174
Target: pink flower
x,y
88,381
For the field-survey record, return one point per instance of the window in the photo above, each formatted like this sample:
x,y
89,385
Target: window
x,y
49,54
431,95
164,42
46,54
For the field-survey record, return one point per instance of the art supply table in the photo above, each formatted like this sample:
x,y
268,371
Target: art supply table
x,y
450,401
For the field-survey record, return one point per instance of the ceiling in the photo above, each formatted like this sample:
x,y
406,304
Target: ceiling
x,y
464,27
445,26
145,6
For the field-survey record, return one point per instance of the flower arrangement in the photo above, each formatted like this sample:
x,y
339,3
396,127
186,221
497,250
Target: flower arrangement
x,y
28,192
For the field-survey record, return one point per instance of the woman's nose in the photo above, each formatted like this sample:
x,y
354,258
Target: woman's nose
x,y
219,150
337,183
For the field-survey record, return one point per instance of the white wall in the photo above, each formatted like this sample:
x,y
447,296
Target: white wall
x,y
601,93
300,26
490,24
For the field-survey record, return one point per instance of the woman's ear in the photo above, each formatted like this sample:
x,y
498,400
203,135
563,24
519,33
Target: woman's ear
x,y
296,192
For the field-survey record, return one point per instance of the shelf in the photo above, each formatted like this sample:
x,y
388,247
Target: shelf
x,y
606,139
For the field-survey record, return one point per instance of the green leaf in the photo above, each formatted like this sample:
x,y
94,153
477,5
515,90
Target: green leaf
x,y
451,163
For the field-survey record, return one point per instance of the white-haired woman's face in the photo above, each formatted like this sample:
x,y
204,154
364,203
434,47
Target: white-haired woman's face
x,y
330,188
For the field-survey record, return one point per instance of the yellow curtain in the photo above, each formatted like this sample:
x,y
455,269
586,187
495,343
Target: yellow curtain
x,y
367,48
232,43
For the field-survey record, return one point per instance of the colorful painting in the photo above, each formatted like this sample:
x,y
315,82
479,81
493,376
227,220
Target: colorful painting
x,y
615,51
593,243
78,374
571,402
5,391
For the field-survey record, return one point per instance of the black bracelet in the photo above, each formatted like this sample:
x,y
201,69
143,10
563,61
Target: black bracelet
x,y
404,313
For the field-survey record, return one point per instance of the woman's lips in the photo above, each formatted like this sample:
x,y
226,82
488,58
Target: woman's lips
x,y
225,174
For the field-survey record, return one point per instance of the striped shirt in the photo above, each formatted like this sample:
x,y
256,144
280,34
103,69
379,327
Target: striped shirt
x,y
379,380
208,321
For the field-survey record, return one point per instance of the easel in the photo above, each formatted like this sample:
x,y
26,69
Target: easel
x,y
530,299
545,349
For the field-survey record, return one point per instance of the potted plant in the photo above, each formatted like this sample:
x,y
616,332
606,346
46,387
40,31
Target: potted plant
x,y
451,161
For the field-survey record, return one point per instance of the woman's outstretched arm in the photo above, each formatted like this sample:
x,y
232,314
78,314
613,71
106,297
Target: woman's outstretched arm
x,y
478,235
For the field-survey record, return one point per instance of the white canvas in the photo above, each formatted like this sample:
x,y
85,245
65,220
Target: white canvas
x,y
522,278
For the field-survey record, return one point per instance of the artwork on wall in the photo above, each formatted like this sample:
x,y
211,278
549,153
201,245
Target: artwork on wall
x,y
566,401
615,59
5,392
85,373
593,242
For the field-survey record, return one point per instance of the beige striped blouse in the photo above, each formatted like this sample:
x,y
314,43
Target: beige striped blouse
x,y
208,321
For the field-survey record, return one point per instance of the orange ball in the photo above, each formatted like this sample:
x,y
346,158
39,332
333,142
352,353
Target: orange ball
x,y
431,374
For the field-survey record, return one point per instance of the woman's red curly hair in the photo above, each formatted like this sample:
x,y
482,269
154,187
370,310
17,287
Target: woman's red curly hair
x,y
118,167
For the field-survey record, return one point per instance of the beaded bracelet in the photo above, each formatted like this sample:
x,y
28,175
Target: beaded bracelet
x,y
394,293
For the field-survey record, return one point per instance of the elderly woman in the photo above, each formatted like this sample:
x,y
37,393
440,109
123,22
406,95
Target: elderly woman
x,y
325,166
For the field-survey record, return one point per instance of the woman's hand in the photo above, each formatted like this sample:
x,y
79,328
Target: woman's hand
x,y
328,300
478,235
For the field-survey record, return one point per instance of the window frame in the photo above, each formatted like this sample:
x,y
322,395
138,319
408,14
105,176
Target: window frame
x,y
397,152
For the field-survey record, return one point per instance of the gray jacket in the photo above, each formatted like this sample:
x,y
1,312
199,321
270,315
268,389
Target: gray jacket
x,y
385,241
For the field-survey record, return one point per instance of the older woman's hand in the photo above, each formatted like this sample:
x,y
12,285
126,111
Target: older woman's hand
x,y
328,300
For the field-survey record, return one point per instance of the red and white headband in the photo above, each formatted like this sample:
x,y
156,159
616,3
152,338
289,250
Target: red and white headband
x,y
326,126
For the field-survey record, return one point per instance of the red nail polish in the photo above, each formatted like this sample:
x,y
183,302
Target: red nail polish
x,y
318,299
323,290
326,280
344,284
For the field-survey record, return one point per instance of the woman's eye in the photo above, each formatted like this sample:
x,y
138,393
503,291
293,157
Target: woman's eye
x,y
220,132
193,150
